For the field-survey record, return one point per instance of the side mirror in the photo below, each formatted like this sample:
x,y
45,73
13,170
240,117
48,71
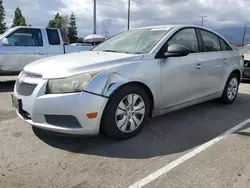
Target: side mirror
x,y
5,42
176,50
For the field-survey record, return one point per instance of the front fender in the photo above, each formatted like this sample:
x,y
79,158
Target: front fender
x,y
106,83
114,81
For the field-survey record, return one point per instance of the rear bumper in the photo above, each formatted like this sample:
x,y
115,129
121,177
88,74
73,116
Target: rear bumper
x,y
38,106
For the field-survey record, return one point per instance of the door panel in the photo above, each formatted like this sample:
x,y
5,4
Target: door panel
x,y
213,61
25,46
55,45
181,76
181,80
15,58
212,71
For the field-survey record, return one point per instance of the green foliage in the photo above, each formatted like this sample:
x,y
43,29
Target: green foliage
x,y
3,27
72,34
67,27
18,20
60,22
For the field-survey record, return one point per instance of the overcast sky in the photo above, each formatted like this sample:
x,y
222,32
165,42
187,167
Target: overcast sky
x,y
220,13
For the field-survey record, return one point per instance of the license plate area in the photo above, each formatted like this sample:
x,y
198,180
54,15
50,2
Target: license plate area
x,y
16,103
247,73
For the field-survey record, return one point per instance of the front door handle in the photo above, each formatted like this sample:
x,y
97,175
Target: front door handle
x,y
225,60
198,66
40,53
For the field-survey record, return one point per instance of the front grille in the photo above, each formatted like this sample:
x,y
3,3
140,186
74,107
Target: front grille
x,y
25,89
32,75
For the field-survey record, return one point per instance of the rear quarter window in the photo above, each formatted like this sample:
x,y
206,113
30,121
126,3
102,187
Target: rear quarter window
x,y
224,45
210,41
53,37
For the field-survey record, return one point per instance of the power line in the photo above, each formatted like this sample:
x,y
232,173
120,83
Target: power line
x,y
105,27
203,20
244,34
94,9
129,5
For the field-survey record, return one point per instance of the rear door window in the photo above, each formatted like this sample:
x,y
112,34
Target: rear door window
x,y
224,45
210,41
53,37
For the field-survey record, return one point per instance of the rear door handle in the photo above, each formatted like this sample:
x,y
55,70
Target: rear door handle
x,y
198,66
225,60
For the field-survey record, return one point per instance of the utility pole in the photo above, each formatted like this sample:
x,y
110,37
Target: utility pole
x,y
94,7
105,27
128,14
203,20
244,34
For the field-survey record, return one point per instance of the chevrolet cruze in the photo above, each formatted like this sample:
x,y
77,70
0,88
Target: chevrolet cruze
x,y
119,84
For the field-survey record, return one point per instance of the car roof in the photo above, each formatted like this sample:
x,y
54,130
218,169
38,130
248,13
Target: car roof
x,y
166,27
31,27
180,26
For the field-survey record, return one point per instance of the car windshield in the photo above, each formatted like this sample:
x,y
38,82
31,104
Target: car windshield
x,y
135,42
8,31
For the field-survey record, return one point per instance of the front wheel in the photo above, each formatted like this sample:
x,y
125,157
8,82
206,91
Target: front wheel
x,y
231,89
126,112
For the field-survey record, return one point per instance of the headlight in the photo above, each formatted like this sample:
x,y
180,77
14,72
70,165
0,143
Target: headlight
x,y
70,84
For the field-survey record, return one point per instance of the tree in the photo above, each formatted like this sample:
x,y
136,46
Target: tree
x,y
72,34
18,20
3,27
60,22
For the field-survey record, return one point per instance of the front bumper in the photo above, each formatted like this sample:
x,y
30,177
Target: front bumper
x,y
246,73
77,105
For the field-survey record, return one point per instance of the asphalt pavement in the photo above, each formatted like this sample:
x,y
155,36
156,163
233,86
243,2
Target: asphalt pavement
x,y
32,157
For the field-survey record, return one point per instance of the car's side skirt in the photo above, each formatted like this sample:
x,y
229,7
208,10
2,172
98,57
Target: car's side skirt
x,y
187,104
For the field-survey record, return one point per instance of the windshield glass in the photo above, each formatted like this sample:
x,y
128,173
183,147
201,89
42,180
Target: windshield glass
x,y
134,42
8,31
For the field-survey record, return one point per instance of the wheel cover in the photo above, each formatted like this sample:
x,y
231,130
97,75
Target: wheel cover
x,y
232,88
130,113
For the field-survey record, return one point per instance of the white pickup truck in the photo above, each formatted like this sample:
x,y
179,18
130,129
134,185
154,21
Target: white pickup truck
x,y
20,46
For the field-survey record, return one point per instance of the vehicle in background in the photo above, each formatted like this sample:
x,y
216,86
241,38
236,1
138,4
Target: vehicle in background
x,y
20,46
245,51
119,84
81,44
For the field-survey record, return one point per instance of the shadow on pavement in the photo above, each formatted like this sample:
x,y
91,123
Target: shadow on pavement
x,y
7,86
244,133
167,134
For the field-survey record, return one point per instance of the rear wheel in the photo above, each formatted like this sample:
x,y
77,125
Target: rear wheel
x,y
126,112
231,89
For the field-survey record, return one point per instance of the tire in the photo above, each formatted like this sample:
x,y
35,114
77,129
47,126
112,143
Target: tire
x,y
123,122
225,98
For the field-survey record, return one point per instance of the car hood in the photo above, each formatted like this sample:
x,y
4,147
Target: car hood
x,y
80,62
246,57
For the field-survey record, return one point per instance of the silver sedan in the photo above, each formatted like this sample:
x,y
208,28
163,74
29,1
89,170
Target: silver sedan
x,y
132,76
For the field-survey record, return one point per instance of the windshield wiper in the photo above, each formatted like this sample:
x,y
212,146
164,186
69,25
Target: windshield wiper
x,y
110,51
124,52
